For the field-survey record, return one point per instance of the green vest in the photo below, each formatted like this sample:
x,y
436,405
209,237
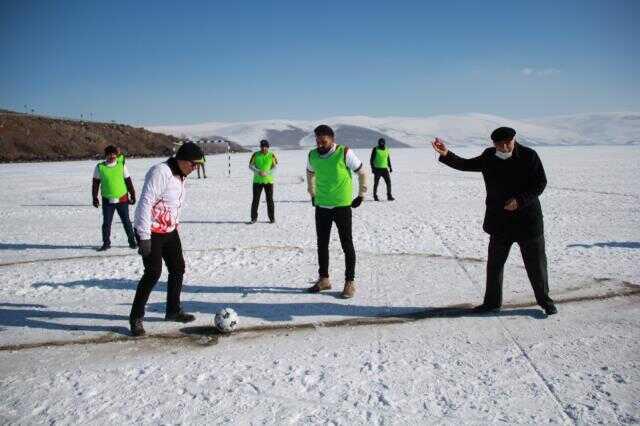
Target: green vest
x,y
265,163
112,180
333,178
381,160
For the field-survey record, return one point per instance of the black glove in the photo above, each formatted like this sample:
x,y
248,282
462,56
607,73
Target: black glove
x,y
132,199
144,247
390,170
96,203
313,201
356,202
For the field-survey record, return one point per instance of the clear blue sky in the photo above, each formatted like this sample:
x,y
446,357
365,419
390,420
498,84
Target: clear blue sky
x,y
175,62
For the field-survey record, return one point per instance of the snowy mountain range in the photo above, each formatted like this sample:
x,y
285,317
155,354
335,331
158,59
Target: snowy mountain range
x,y
616,128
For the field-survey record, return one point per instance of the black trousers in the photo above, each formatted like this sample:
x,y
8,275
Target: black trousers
x,y
377,174
324,220
257,190
165,247
535,262
201,166
108,210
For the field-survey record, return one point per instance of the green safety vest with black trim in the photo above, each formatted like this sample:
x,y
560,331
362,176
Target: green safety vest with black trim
x,y
264,162
112,180
333,178
381,160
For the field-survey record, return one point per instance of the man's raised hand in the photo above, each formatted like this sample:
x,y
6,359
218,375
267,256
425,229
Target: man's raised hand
x,y
439,146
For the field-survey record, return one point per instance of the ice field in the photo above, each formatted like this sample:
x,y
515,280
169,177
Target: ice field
x,y
399,352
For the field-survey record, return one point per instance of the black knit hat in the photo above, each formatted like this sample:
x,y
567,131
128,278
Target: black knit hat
x,y
189,151
264,143
502,134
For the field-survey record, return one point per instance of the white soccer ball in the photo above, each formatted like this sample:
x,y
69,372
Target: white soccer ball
x,y
226,320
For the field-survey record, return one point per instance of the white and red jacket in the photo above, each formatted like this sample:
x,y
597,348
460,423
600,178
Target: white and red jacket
x,y
161,200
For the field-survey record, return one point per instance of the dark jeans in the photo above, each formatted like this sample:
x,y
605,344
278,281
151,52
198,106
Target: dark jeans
x,y
257,190
165,247
107,217
377,174
324,219
535,262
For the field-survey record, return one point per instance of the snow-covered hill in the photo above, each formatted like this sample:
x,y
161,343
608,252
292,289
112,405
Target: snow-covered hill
x,y
465,129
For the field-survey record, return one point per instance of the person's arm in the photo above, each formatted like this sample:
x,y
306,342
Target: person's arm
x,y
155,183
390,168
95,186
131,190
373,157
537,183
252,165
356,166
311,182
450,159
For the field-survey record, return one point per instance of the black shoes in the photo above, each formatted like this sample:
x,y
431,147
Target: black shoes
x,y
485,309
550,309
180,316
136,327
390,198
104,247
375,198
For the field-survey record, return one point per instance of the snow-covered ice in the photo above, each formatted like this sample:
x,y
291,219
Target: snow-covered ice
x,y
339,362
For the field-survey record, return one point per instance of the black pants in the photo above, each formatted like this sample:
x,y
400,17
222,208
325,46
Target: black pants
x,y
324,219
257,190
535,262
107,218
201,166
165,247
377,174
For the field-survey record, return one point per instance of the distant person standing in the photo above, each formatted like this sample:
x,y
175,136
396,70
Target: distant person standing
x,y
262,164
514,179
112,179
329,182
200,166
381,167
156,226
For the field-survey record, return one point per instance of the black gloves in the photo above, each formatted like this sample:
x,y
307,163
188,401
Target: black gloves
x,y
132,198
96,203
356,202
144,247
390,170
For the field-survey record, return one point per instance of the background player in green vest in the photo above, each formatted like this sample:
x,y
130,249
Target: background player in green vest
x,y
381,167
329,169
112,178
262,163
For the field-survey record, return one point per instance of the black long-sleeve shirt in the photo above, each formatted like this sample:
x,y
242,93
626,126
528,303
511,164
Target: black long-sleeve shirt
x,y
521,177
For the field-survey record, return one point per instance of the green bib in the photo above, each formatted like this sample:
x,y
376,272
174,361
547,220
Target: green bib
x,y
333,178
263,162
112,180
381,160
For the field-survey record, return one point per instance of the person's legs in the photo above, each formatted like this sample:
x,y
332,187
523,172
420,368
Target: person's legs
x,y
268,189
343,219
257,190
107,218
173,258
497,256
387,180
151,275
123,212
535,262
376,181
324,219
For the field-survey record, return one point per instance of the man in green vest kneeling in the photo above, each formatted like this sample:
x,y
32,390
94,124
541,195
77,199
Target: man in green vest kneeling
x,y
262,164
329,182
112,178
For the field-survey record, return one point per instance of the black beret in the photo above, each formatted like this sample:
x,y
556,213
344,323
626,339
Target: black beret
x,y
503,134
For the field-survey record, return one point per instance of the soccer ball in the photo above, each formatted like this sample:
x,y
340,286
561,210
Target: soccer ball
x,y
226,320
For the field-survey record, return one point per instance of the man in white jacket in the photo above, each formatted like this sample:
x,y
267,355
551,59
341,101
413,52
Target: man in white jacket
x,y
156,226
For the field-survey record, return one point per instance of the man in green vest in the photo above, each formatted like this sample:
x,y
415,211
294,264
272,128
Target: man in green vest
x,y
112,178
262,164
381,167
329,182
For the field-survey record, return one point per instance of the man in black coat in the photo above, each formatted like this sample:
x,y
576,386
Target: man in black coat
x,y
514,179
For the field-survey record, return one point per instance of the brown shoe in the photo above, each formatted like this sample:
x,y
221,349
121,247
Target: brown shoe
x,y
322,284
349,290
